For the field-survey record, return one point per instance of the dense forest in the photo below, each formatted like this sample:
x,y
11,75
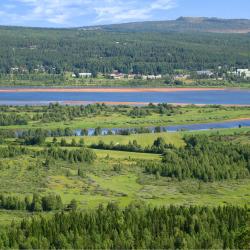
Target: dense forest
x,y
136,187
36,204
59,50
135,227
203,159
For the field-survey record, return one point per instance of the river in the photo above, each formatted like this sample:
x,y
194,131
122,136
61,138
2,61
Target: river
x,y
221,97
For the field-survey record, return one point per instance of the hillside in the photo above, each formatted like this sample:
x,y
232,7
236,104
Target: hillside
x,y
185,24
133,47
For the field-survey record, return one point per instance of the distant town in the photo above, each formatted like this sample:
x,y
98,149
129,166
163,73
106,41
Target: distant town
x,y
180,75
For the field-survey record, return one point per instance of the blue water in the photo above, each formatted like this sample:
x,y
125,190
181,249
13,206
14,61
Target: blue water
x,y
175,128
234,97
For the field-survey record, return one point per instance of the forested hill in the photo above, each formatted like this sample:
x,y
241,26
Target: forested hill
x,y
185,24
103,50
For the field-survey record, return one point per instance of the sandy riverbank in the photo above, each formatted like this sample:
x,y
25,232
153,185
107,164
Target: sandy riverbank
x,y
105,90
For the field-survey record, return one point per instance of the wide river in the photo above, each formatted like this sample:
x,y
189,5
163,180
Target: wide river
x,y
223,97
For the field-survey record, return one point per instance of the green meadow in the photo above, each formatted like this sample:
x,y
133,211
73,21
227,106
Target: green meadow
x,y
101,183
120,118
116,176
237,135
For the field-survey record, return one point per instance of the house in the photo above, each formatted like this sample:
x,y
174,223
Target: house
x,y
205,73
154,77
15,69
181,77
116,75
158,76
150,77
85,75
243,72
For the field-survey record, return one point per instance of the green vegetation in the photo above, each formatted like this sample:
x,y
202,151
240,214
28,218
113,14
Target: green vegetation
x,y
136,227
130,188
57,120
37,204
55,54
53,181
202,159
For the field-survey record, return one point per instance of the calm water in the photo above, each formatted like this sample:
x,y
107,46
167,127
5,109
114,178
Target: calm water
x,y
237,97
175,128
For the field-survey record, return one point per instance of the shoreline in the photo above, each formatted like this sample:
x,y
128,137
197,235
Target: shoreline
x,y
105,90
111,103
147,103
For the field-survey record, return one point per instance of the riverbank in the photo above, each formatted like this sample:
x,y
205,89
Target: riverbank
x,y
144,104
105,90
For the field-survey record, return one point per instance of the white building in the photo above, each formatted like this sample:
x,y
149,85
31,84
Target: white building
x,y
181,77
204,73
153,77
85,74
15,69
243,72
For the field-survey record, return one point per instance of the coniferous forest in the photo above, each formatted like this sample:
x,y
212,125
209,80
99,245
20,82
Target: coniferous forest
x,y
67,182
105,176
135,227
61,50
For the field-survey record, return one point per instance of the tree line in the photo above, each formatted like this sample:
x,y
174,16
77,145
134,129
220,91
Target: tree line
x,y
12,119
135,227
57,153
158,147
72,156
203,159
35,204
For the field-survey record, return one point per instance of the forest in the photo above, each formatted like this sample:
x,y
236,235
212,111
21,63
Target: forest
x,y
204,160
56,51
135,227
111,177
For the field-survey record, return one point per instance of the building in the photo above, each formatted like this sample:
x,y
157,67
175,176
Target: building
x,y
14,69
205,73
154,77
243,72
85,74
181,77
117,76
158,76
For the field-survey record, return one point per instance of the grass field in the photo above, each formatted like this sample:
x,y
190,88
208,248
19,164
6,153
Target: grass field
x,y
115,176
186,115
102,183
241,136
142,139
125,155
